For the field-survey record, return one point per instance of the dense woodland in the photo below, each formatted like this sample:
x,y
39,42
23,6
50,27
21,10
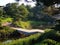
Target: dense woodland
x,y
27,17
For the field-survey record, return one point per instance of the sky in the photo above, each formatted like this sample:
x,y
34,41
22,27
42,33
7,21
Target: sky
x,y
4,2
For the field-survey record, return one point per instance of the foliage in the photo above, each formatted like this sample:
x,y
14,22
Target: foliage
x,y
41,24
25,41
48,2
5,20
23,11
47,30
37,39
52,35
57,26
48,42
36,13
15,11
5,32
27,17
51,10
49,38
32,24
49,7
23,24
1,12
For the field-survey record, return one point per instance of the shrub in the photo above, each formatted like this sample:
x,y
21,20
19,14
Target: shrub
x,y
5,32
5,20
23,24
25,41
50,35
47,42
32,24
37,24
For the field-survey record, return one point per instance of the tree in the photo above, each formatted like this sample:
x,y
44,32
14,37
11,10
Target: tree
x,y
48,2
57,27
15,11
11,9
23,11
1,12
49,6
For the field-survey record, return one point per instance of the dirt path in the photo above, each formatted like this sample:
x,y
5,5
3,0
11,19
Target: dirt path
x,y
28,30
